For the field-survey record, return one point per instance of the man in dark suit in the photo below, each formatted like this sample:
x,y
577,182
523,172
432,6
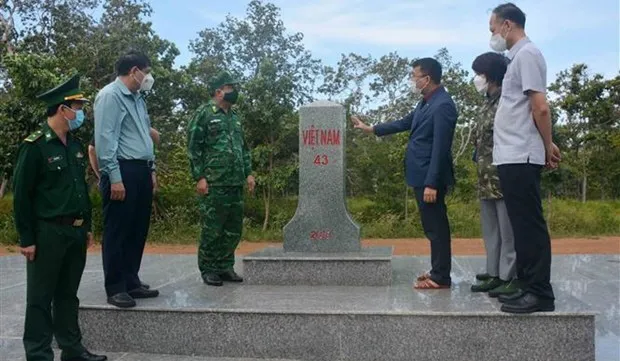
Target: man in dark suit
x,y
428,163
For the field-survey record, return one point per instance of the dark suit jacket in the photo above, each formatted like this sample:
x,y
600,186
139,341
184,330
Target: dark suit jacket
x,y
428,158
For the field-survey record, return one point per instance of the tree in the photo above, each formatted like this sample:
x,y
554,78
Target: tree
x,y
590,119
55,39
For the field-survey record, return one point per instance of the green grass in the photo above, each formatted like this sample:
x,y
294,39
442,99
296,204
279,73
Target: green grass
x,y
177,220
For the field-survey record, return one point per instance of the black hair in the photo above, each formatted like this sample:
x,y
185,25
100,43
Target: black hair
x,y
492,65
430,67
52,110
130,59
510,11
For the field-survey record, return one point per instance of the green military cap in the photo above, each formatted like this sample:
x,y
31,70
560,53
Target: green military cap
x,y
69,90
221,79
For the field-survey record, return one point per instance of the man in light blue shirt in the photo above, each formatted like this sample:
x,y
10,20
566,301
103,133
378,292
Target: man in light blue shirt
x,y
125,156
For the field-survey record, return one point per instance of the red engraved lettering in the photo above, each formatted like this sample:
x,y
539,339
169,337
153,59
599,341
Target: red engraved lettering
x,y
337,137
306,135
320,159
324,137
320,235
313,137
330,137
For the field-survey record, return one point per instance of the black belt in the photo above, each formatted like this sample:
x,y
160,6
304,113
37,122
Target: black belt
x,y
146,163
66,221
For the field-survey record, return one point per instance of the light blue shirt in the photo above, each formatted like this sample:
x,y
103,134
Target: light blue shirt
x,y
122,128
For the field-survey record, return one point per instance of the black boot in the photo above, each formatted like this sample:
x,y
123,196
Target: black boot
x,y
230,276
212,279
86,356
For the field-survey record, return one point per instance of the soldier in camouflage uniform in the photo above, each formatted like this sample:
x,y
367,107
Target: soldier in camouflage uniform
x,y
496,229
220,164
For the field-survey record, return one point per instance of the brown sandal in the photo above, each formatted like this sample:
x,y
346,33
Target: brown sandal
x,y
423,276
429,284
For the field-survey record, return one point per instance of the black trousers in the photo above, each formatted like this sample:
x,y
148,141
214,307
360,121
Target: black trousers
x,y
520,184
126,226
436,227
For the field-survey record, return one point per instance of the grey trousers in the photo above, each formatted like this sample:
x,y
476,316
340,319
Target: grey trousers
x,y
498,239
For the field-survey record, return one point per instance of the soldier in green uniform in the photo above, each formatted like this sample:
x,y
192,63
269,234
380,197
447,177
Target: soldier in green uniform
x,y
220,165
53,218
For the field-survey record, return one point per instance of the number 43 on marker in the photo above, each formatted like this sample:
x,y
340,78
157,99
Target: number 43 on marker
x,y
321,159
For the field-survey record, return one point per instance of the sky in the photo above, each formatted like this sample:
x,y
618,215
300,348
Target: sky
x,y
566,31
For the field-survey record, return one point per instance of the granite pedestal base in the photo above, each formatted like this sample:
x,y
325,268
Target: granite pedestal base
x,y
334,323
371,266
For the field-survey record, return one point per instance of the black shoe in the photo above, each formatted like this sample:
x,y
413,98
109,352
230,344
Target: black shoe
x,y
212,279
87,356
230,276
511,297
483,276
143,293
144,285
486,286
529,303
122,300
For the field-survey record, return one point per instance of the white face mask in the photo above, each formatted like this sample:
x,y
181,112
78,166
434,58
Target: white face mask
x,y
481,84
147,81
415,89
498,43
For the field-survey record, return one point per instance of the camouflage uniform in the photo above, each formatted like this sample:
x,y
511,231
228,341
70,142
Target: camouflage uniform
x,y
496,229
488,180
218,153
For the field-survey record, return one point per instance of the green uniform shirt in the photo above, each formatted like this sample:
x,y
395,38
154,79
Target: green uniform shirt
x,y
49,181
488,179
216,146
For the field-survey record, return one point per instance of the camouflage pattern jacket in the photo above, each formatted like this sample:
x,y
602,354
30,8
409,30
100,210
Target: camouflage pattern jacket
x,y
216,146
488,180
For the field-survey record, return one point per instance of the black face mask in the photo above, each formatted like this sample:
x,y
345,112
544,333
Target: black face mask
x,y
231,97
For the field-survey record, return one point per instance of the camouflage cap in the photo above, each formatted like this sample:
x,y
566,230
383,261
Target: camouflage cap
x,y
69,90
221,79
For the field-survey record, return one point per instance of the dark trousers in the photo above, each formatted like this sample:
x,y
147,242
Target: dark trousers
x,y
125,227
53,278
436,226
520,184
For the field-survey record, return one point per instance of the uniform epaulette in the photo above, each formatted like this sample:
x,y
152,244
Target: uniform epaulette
x,y
34,136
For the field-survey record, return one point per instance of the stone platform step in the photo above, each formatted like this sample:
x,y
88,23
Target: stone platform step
x,y
371,266
334,323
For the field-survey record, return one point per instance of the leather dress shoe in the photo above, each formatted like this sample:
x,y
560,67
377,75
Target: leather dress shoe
x,y
142,292
144,285
529,303
511,297
87,356
230,276
212,279
122,300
